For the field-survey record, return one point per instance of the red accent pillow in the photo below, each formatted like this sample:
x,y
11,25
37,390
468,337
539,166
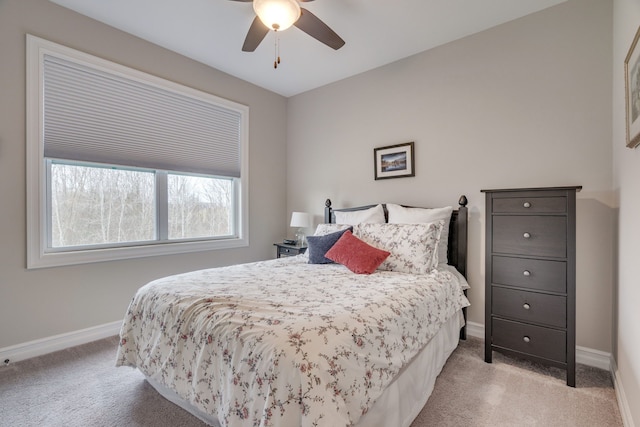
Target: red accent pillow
x,y
356,255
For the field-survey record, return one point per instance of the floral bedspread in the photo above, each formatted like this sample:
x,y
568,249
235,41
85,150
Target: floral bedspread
x,y
282,342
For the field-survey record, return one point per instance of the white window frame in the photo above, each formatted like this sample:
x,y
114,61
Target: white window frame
x,y
38,255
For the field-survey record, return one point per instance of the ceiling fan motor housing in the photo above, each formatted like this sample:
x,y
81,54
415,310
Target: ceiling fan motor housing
x,y
277,15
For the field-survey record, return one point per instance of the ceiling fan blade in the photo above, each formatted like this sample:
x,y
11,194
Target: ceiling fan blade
x,y
312,25
256,34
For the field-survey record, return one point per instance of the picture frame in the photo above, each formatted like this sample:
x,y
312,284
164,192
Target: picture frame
x,y
394,161
632,93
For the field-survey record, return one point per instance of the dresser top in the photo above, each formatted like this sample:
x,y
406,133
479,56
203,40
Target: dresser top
x,y
572,187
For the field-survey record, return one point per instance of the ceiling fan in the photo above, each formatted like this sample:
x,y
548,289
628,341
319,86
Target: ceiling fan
x,y
278,15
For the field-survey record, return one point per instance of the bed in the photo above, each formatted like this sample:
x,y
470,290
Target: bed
x,y
295,342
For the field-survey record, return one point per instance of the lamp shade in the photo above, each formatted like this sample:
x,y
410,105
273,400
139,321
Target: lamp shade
x,y
277,14
300,219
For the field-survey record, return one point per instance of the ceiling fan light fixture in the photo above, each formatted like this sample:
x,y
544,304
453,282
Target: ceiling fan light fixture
x,y
277,15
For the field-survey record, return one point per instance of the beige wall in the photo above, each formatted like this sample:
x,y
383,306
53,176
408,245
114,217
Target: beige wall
x,y
40,303
525,104
627,186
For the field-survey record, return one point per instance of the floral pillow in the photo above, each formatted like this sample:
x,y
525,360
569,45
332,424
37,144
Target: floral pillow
x,y
413,248
401,215
356,255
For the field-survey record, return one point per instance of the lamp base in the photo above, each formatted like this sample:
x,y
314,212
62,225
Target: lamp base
x,y
301,239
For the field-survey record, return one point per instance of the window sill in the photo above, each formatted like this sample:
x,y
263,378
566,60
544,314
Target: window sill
x,y
57,259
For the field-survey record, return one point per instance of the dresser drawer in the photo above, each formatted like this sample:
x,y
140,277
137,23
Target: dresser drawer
x,y
528,306
287,250
537,274
530,205
534,340
530,235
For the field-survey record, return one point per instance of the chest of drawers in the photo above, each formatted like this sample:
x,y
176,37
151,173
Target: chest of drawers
x,y
530,280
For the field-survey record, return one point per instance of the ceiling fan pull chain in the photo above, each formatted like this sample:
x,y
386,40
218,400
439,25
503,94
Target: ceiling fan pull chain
x,y
276,60
278,47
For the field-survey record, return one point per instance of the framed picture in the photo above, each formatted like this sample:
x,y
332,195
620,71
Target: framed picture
x,y
632,93
394,161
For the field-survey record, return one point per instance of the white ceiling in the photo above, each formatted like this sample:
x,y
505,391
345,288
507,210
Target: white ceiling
x,y
376,32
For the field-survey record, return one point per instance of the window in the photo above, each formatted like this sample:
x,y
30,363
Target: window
x,y
123,164
92,205
99,206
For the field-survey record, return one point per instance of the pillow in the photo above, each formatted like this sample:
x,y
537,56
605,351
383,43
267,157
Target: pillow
x,y
323,229
401,215
356,255
413,247
319,245
374,214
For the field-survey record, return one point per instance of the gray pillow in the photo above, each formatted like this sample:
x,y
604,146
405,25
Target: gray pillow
x,y
319,245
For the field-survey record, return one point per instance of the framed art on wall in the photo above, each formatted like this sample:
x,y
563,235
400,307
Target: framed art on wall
x,y
394,161
632,93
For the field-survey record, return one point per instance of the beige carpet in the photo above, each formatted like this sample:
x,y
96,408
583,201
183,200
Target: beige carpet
x,y
81,387
514,392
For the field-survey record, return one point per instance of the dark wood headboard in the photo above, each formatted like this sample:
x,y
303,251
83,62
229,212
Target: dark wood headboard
x,y
457,248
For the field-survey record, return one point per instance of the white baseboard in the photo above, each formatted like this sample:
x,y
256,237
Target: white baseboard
x,y
475,329
43,346
586,356
623,403
596,358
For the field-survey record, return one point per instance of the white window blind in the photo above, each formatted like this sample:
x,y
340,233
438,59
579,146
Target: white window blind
x,y
96,116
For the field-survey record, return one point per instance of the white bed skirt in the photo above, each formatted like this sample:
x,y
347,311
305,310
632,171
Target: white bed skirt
x,y
405,397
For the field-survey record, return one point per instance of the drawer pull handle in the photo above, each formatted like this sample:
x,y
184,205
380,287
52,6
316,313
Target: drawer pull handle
x,y
526,204
526,235
526,306
526,273
526,339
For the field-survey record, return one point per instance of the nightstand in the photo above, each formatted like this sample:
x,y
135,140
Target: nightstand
x,y
289,250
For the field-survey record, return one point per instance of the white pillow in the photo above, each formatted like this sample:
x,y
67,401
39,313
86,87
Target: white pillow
x,y
413,247
401,215
324,229
374,214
